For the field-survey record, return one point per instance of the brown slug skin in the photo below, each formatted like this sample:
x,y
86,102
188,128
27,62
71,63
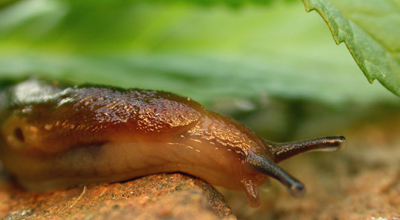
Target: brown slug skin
x,y
55,137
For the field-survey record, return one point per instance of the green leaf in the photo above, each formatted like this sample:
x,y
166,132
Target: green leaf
x,y
371,31
5,3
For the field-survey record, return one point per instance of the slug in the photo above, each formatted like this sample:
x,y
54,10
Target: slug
x,y
56,137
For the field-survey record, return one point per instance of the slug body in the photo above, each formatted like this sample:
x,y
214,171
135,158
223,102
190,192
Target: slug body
x,y
55,137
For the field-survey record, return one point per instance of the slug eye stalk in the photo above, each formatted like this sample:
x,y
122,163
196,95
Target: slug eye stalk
x,y
282,151
271,169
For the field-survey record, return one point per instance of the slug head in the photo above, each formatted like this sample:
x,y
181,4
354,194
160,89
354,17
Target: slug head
x,y
264,159
247,158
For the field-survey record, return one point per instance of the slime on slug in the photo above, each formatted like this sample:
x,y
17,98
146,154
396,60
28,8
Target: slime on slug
x,y
55,137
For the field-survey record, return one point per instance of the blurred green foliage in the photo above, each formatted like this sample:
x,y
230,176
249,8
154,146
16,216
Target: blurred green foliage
x,y
204,52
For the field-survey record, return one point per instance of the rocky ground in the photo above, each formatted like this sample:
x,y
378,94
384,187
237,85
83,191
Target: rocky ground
x,y
162,196
360,182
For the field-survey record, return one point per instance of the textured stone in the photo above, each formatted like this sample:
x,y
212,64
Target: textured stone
x,y
162,196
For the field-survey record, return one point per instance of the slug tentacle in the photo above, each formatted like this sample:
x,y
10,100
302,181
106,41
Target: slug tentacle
x,y
282,151
269,168
253,197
